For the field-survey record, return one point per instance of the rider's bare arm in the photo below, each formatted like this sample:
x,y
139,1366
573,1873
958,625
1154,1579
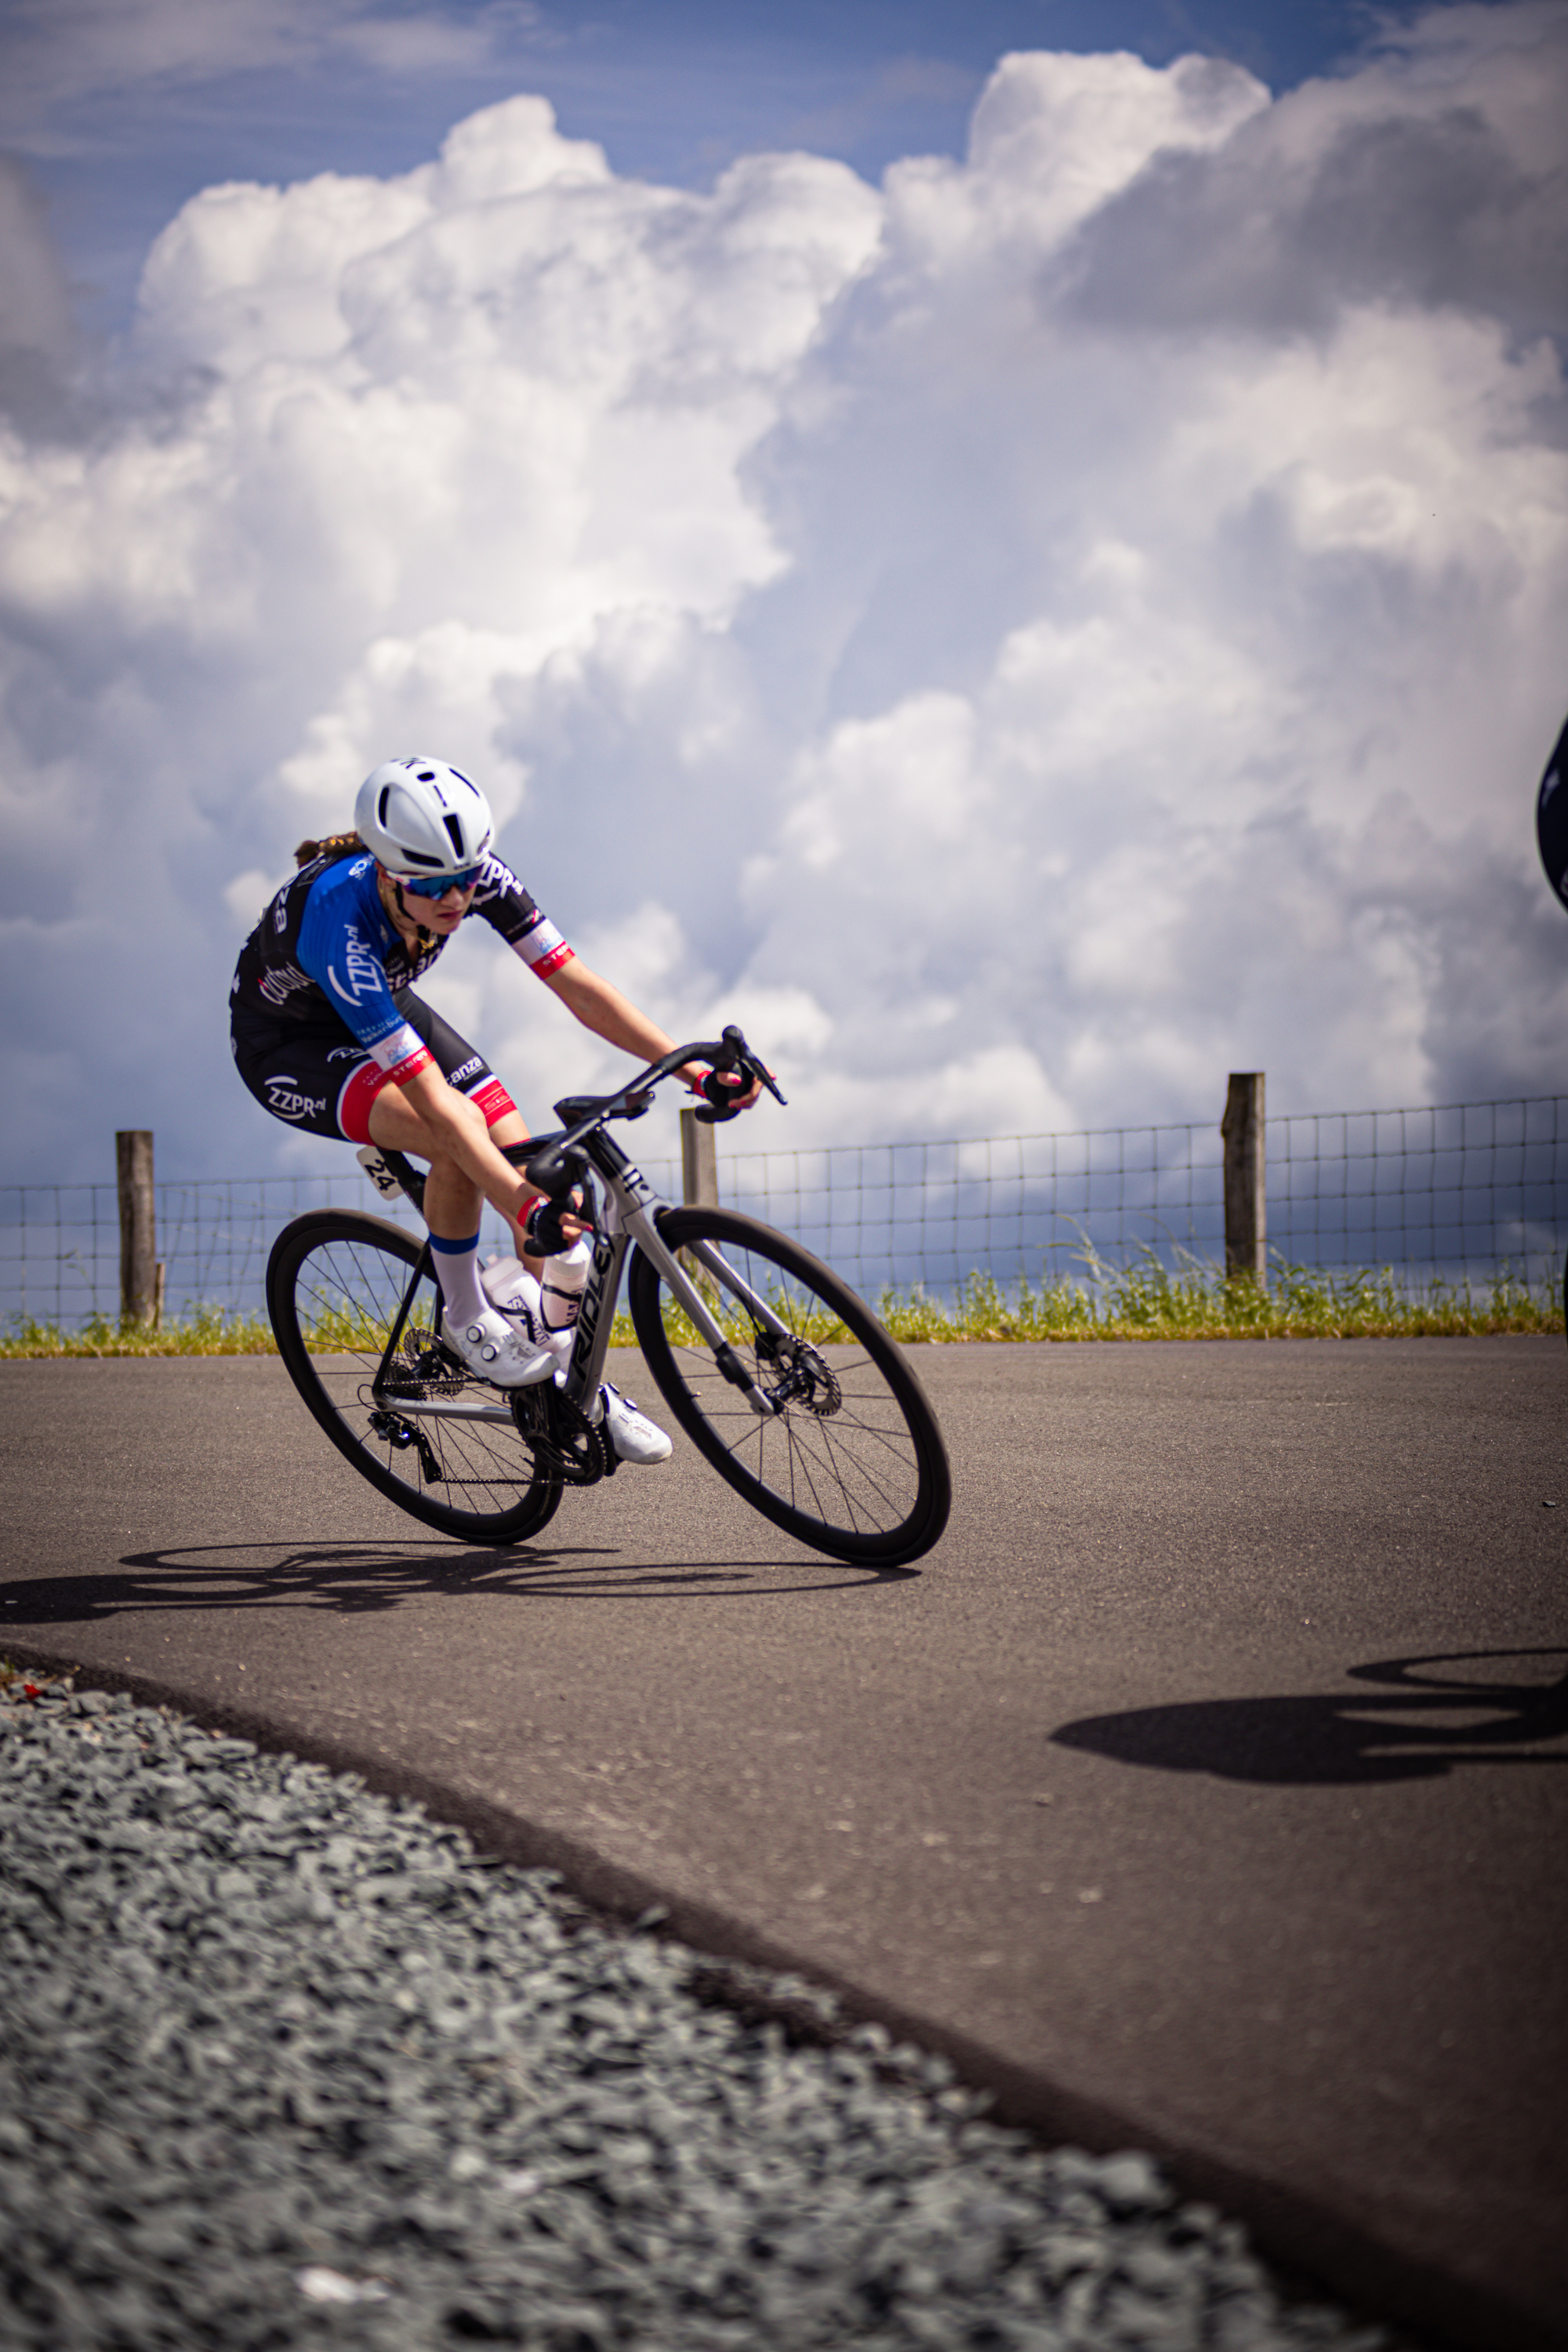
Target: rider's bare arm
x,y
601,1007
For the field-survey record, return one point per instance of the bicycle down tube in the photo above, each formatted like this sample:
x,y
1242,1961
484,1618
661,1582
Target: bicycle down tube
x,y
624,1223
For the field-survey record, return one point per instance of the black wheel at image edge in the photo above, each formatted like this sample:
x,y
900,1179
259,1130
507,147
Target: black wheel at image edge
x,y
1552,837
345,1273
855,1465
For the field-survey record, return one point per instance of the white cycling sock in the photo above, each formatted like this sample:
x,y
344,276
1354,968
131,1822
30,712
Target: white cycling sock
x,y
458,1272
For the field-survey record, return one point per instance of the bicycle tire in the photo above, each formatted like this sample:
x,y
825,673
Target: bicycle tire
x,y
854,1464
340,1275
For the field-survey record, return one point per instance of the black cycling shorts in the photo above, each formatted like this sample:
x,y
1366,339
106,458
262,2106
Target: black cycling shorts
x,y
319,1078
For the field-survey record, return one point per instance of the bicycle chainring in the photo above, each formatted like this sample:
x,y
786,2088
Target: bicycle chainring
x,y
557,1434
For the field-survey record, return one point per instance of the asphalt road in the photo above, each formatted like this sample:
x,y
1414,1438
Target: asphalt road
x,y
1203,1790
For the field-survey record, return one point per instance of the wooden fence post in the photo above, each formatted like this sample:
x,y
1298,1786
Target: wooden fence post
x,y
1245,1191
139,1268
699,1163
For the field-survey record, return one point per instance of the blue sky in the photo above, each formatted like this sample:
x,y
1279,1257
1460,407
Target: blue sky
x,y
122,109
1018,551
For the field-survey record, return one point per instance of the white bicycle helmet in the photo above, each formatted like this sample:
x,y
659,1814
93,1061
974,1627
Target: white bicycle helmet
x,y
420,816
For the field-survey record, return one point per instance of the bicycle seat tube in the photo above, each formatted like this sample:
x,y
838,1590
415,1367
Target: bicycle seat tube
x,y
595,1316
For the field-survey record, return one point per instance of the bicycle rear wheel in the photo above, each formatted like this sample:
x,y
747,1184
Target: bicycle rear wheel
x,y
335,1283
853,1462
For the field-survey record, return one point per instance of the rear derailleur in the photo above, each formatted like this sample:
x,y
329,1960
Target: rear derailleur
x,y
399,1433
421,1368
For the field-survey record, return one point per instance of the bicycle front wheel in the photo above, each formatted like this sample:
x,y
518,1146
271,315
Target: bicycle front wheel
x,y
336,1282
852,1461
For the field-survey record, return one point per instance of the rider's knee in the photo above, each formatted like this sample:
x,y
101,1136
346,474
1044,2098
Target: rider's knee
x,y
469,1117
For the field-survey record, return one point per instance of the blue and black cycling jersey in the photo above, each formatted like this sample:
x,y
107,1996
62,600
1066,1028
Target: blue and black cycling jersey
x,y
326,954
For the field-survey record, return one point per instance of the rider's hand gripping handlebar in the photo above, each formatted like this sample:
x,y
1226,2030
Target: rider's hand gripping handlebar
x,y
734,1060
553,1167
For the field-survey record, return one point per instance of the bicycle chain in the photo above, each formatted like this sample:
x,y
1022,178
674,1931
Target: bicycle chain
x,y
555,1431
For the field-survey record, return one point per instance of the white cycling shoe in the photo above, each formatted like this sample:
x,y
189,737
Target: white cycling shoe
x,y
495,1351
510,1288
633,1435
514,1293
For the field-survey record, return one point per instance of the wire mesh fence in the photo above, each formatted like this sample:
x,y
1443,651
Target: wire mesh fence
x,y
1452,1193
1458,1192
60,1243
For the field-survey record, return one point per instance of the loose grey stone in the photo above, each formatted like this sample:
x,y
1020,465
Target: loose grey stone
x,y
284,2065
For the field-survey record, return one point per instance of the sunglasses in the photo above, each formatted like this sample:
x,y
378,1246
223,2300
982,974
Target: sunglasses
x,y
436,886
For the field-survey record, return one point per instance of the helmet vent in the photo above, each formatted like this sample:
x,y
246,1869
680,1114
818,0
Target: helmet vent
x,y
419,816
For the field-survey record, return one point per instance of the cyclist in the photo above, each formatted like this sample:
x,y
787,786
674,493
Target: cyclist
x,y
329,1036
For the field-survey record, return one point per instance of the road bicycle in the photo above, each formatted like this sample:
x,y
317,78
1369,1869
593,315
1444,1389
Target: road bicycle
x,y
782,1377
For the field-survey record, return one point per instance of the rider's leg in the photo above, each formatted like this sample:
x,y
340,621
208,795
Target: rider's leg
x,y
297,1072
452,1198
453,1201
485,1342
454,1195
452,1206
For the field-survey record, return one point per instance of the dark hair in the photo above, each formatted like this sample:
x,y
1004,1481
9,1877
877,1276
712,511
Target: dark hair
x,y
335,845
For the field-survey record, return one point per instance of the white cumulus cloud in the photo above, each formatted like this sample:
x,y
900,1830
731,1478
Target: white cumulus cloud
x,y
66,49
1026,638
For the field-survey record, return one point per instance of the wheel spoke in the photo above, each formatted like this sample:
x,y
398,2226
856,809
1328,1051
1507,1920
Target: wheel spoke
x,y
336,1286
852,1459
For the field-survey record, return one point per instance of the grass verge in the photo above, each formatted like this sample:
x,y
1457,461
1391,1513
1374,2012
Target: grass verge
x,y
1150,1300
206,1331
1196,1301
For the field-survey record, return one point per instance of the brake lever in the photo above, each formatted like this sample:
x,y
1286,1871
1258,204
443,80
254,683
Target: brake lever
x,y
747,1061
740,1061
744,1067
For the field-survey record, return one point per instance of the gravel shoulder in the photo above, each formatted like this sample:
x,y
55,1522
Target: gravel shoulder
x,y
282,2063
1202,1794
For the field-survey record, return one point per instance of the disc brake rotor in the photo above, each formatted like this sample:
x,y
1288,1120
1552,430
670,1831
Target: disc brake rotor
x,y
807,1379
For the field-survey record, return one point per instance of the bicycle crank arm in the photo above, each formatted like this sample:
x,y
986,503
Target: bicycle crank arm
x,y
433,1409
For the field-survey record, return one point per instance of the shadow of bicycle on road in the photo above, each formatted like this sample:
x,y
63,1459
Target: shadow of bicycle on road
x,y
1413,1734
363,1578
